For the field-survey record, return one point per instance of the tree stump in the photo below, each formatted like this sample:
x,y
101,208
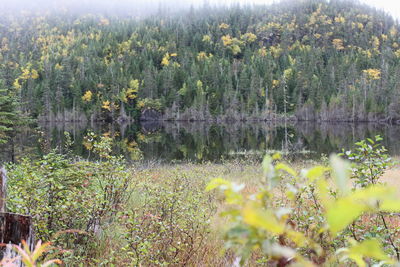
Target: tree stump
x,y
13,227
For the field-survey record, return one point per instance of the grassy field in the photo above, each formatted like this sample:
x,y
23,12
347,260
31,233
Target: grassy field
x,y
162,215
189,178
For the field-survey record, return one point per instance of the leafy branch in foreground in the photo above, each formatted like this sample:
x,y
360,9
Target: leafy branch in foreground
x,y
311,220
30,258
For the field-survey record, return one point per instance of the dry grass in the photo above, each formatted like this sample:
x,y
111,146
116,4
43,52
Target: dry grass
x,y
392,177
249,174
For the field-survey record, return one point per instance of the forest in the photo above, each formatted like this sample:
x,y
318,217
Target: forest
x,y
307,60
165,171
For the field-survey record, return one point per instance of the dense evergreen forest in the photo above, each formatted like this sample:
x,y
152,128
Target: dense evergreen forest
x,y
309,60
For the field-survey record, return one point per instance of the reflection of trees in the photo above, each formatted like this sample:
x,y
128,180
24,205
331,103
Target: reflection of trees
x,y
332,137
205,141
215,140
22,144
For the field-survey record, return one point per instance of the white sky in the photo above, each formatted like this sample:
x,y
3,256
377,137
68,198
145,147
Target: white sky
x,y
390,6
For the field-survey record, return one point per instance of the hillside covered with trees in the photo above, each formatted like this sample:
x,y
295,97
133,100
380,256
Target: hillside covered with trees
x,y
311,60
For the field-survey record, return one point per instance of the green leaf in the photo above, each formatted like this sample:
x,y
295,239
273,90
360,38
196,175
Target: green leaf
x,y
264,219
215,183
370,248
342,213
233,197
390,205
344,210
315,173
269,172
286,168
340,169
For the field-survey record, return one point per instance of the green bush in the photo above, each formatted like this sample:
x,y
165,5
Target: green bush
x,y
62,194
315,217
167,223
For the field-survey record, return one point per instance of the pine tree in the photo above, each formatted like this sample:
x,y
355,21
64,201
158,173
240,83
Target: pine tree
x,y
9,117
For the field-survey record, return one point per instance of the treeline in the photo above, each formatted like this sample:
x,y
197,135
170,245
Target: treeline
x,y
310,60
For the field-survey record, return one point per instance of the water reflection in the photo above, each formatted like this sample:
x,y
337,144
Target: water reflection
x,y
199,141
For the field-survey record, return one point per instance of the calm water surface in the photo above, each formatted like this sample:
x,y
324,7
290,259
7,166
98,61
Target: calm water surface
x,y
199,141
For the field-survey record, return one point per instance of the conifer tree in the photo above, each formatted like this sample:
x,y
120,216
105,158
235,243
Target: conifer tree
x,y
9,116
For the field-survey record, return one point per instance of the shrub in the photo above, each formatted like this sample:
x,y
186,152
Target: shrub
x,y
62,194
167,224
309,219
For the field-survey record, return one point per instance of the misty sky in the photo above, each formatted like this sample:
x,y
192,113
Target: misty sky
x,y
391,6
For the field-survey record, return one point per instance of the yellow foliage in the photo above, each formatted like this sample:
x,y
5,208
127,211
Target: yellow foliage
x,y
368,53
338,44
364,17
262,92
262,51
340,19
264,219
88,145
288,73
275,83
206,38
34,74
199,84
131,92
134,84
106,105
372,74
249,37
29,73
87,96
25,74
369,247
233,43
176,65
16,84
226,40
375,42
397,53
58,67
165,60
357,25
202,56
276,50
272,25
223,26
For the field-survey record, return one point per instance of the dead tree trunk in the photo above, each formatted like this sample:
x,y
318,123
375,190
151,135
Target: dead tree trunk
x,y
13,227
3,189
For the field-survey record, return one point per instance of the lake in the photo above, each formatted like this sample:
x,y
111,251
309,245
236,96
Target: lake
x,y
199,141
